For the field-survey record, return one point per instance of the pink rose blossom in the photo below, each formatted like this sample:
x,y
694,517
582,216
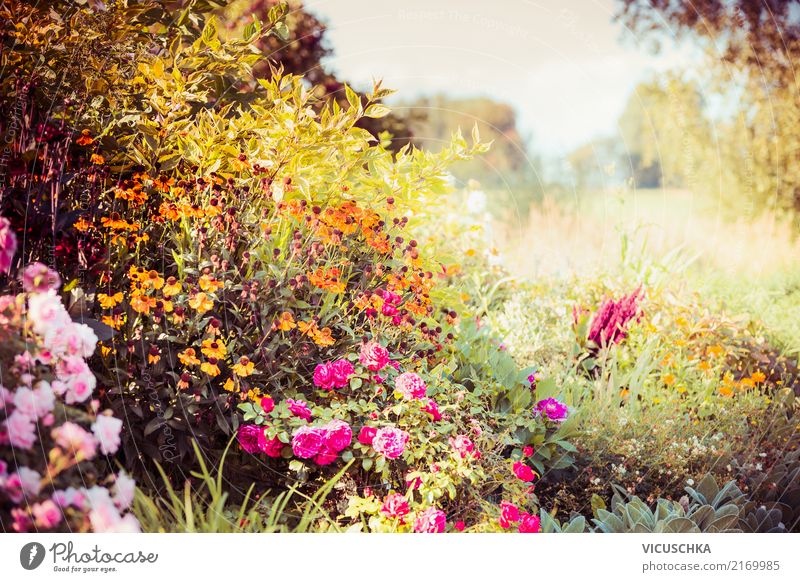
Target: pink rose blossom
x,y
338,435
8,245
462,445
374,356
270,447
124,488
21,430
333,375
367,434
529,523
307,441
299,408
22,522
410,385
390,442
431,520
46,312
76,441
46,515
248,436
432,408
527,451
524,472
267,404
395,506
38,278
509,513
106,430
326,455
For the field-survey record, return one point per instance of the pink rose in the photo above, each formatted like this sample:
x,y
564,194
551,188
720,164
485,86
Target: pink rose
x,y
46,515
410,385
106,430
38,278
323,377
509,513
338,435
341,370
374,356
299,408
367,434
390,442
267,404
527,451
432,408
326,455
307,441
248,437
524,472
462,445
76,441
431,520
124,488
45,312
21,430
395,506
270,447
529,523
8,245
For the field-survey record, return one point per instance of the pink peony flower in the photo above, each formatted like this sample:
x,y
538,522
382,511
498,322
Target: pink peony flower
x,y
20,429
342,370
462,445
529,523
248,436
38,278
124,488
270,447
390,442
106,430
367,434
552,409
46,515
267,404
307,441
509,513
432,408
374,356
524,472
431,520
410,385
299,408
338,435
395,506
8,245
76,441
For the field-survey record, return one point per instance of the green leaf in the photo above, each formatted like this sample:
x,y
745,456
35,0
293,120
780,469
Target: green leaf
x,y
377,110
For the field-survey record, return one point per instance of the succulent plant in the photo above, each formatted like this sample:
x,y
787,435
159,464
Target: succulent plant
x,y
778,489
576,524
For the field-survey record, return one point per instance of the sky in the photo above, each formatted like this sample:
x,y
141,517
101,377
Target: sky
x,y
564,65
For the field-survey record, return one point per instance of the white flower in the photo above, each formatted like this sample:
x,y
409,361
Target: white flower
x,y
106,430
46,312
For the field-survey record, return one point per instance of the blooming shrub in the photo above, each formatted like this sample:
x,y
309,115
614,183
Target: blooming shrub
x,y
53,432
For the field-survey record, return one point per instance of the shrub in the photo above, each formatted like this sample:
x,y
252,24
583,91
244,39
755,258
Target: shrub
x,y
53,438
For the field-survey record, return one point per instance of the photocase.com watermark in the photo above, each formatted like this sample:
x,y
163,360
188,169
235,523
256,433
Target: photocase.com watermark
x,y
65,558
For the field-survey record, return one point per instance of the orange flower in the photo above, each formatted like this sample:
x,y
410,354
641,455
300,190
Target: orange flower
x,y
163,183
188,357
114,321
82,225
210,283
286,322
153,355
201,302
229,385
323,337
214,349
244,367
172,287
307,327
142,303
85,138
210,367
329,279
97,159
154,280
758,376
109,301
668,379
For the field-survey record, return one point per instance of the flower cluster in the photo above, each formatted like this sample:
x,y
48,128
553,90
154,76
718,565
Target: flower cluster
x,y
610,323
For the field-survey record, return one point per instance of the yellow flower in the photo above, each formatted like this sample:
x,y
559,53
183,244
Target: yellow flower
x,y
669,379
154,280
210,283
210,367
172,287
109,301
725,391
323,337
229,385
244,367
214,349
114,321
142,304
188,357
286,321
715,351
201,302
758,376
154,355
98,159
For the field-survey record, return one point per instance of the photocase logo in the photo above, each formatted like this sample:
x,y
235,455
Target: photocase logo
x,y
31,555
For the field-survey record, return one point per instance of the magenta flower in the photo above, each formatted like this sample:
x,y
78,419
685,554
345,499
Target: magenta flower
x,y
524,472
509,513
610,323
552,409
333,375
8,245
248,437
366,435
462,445
338,435
432,408
299,408
270,447
410,385
529,523
390,442
431,520
374,356
308,441
38,278
395,506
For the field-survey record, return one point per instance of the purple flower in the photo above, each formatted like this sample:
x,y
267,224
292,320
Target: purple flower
x,y
552,409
